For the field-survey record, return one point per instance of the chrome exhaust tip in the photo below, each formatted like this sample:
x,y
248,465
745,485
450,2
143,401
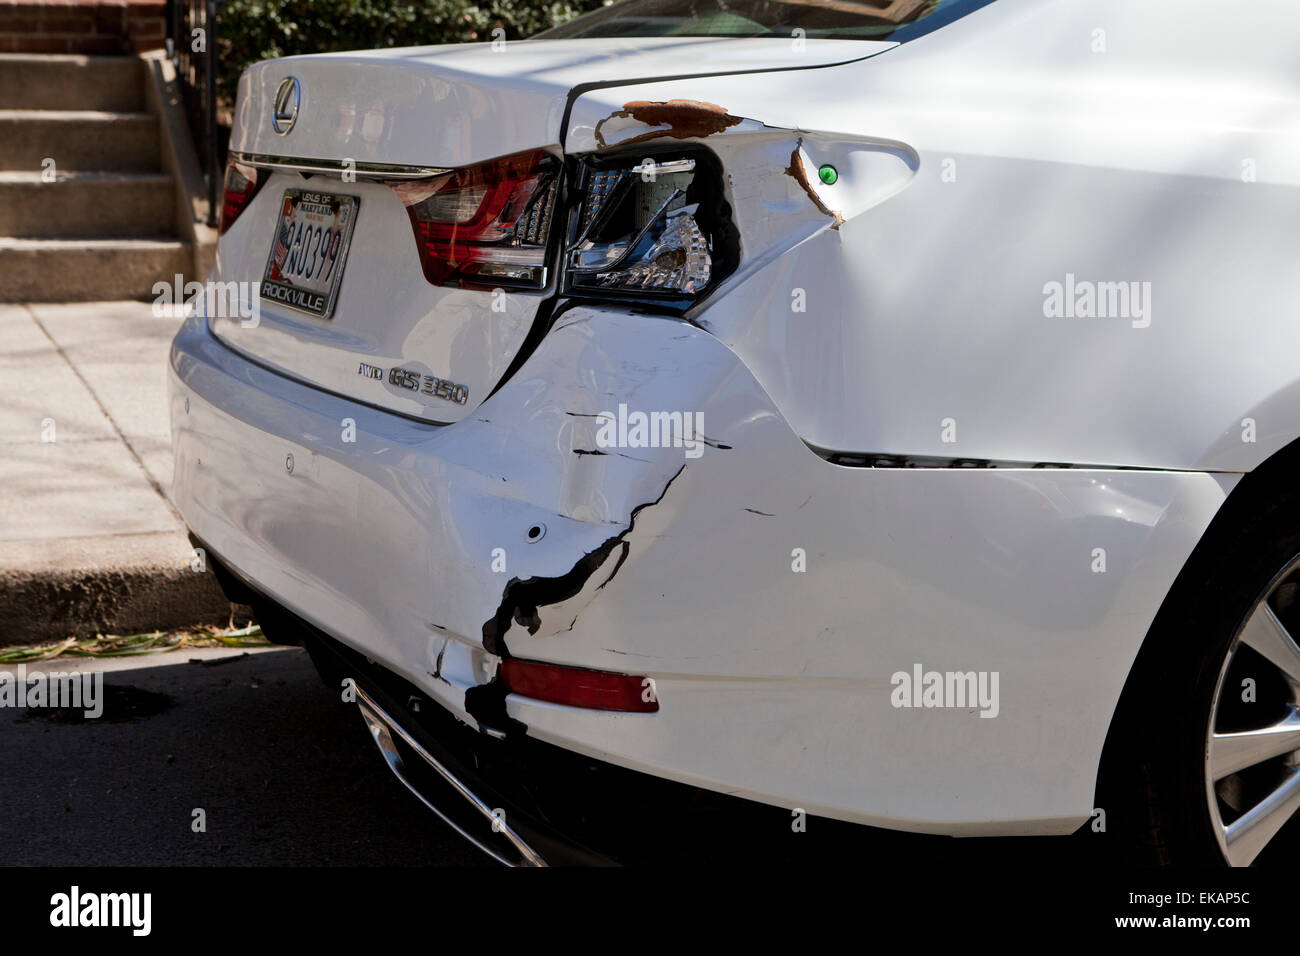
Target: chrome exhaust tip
x,y
499,841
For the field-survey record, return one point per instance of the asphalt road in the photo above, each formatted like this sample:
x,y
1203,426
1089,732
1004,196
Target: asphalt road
x,y
285,773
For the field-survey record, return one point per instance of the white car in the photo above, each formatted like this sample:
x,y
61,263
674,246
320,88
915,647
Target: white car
x,y
880,410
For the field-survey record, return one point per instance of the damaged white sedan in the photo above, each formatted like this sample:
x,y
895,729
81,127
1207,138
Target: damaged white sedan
x,y
881,410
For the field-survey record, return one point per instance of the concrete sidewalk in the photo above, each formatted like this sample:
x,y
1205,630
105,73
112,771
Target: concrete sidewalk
x,y
89,541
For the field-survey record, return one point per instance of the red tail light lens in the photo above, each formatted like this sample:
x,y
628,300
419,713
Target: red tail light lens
x,y
579,687
242,184
486,225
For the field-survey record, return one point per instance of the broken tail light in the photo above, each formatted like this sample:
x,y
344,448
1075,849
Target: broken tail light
x,y
579,687
484,225
242,184
657,230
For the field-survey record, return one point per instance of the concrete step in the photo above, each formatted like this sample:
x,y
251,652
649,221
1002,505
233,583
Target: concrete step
x,y
78,140
49,81
86,205
83,270
110,585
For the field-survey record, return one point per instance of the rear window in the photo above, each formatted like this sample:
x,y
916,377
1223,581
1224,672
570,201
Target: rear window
x,y
897,20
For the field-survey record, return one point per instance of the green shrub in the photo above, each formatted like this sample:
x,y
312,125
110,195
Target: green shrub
x,y
252,30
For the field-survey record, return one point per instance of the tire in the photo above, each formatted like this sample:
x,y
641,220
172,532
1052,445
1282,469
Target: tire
x,y
1216,685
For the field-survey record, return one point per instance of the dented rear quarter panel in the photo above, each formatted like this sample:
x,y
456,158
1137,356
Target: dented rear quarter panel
x,y
981,162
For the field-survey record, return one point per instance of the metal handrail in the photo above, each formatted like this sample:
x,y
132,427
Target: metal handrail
x,y
192,24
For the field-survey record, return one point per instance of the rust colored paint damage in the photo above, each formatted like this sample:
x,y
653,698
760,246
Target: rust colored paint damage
x,y
796,172
682,119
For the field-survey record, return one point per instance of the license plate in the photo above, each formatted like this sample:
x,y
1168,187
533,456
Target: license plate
x,y
310,245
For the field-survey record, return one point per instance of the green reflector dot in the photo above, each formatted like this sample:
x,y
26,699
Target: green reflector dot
x,y
828,175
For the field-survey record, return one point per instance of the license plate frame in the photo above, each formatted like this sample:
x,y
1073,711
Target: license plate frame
x,y
305,219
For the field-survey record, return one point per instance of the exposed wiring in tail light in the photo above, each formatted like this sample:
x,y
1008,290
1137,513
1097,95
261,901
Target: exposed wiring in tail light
x,y
486,225
656,230
242,183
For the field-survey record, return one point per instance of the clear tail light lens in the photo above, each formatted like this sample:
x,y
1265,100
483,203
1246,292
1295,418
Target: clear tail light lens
x,y
242,184
486,225
657,230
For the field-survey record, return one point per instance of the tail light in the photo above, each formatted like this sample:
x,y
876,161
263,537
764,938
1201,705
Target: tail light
x,y
579,687
242,184
657,230
484,225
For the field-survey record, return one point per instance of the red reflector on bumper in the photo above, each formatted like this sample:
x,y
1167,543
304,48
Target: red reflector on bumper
x,y
579,687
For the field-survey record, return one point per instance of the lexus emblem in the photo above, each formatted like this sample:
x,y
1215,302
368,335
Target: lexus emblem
x,y
288,97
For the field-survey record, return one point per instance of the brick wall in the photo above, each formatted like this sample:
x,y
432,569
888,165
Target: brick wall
x,y
81,26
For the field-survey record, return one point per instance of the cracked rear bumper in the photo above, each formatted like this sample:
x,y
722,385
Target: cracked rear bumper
x,y
417,545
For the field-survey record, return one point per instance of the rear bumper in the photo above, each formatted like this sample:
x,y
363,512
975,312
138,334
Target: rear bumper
x,y
772,596
529,803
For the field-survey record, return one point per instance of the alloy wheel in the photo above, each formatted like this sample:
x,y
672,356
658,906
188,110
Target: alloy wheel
x,y
1252,751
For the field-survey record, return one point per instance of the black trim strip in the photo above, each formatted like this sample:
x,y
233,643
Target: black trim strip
x,y
872,459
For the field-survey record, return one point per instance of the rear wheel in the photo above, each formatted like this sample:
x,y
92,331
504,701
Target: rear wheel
x,y
1206,769
1252,745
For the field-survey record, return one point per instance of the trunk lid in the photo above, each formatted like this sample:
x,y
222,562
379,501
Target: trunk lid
x,y
391,337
